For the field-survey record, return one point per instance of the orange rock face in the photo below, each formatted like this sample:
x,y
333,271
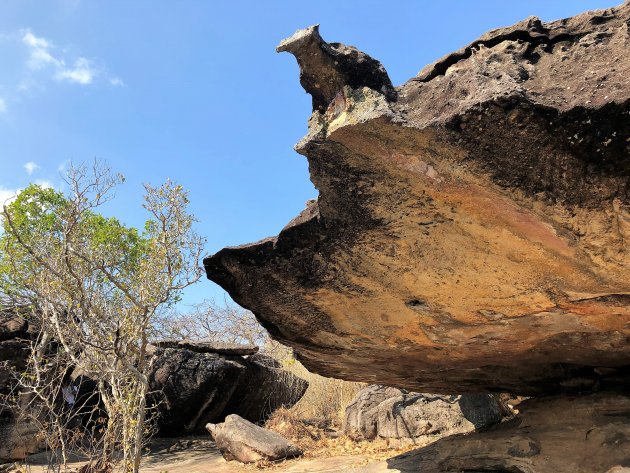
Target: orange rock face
x,y
472,230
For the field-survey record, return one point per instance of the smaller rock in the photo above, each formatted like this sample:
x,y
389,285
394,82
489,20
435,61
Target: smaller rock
x,y
392,413
209,346
240,440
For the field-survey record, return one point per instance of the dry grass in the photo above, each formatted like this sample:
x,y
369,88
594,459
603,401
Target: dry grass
x,y
326,398
317,439
314,424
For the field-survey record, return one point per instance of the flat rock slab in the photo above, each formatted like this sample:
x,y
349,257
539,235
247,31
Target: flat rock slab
x,y
240,440
201,346
472,229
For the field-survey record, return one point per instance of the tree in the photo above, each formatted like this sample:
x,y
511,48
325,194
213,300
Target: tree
x,y
216,322
95,286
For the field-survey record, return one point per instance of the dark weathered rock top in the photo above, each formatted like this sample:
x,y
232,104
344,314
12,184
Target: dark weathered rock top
x,y
201,346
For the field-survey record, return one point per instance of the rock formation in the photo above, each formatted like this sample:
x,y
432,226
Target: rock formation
x,y
194,386
382,412
240,440
472,227
192,383
18,437
585,434
204,346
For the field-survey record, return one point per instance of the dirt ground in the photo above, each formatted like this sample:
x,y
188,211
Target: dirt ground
x,y
200,455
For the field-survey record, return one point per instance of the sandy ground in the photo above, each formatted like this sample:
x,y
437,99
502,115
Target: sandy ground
x,y
197,455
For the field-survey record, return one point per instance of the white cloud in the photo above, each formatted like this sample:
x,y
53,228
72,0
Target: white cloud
x,y
3,106
32,40
81,73
44,184
116,81
42,56
31,167
7,194
39,56
62,167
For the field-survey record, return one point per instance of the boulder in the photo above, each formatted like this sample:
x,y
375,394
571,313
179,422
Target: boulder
x,y
587,434
18,438
15,336
471,230
240,440
263,390
211,346
192,388
382,412
325,68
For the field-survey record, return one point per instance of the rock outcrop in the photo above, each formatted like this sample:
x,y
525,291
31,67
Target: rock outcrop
x,y
201,346
18,437
15,337
585,434
192,383
382,412
193,388
472,227
240,440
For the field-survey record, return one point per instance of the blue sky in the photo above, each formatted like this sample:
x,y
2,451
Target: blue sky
x,y
194,91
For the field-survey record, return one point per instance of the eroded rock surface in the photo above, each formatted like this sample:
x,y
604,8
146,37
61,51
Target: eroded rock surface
x,y
472,228
382,412
18,436
584,434
240,440
193,388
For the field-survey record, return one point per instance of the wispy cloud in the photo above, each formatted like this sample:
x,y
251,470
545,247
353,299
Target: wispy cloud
x,y
62,167
3,106
31,167
81,73
116,81
44,184
40,55
43,55
7,194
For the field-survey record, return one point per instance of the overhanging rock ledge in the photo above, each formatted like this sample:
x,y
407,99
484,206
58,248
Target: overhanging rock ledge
x,y
472,230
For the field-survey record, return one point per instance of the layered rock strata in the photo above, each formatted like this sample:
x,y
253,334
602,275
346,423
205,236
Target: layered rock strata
x,y
472,227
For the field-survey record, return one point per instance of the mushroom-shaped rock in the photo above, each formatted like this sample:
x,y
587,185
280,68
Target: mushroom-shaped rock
x,y
325,68
240,440
472,235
